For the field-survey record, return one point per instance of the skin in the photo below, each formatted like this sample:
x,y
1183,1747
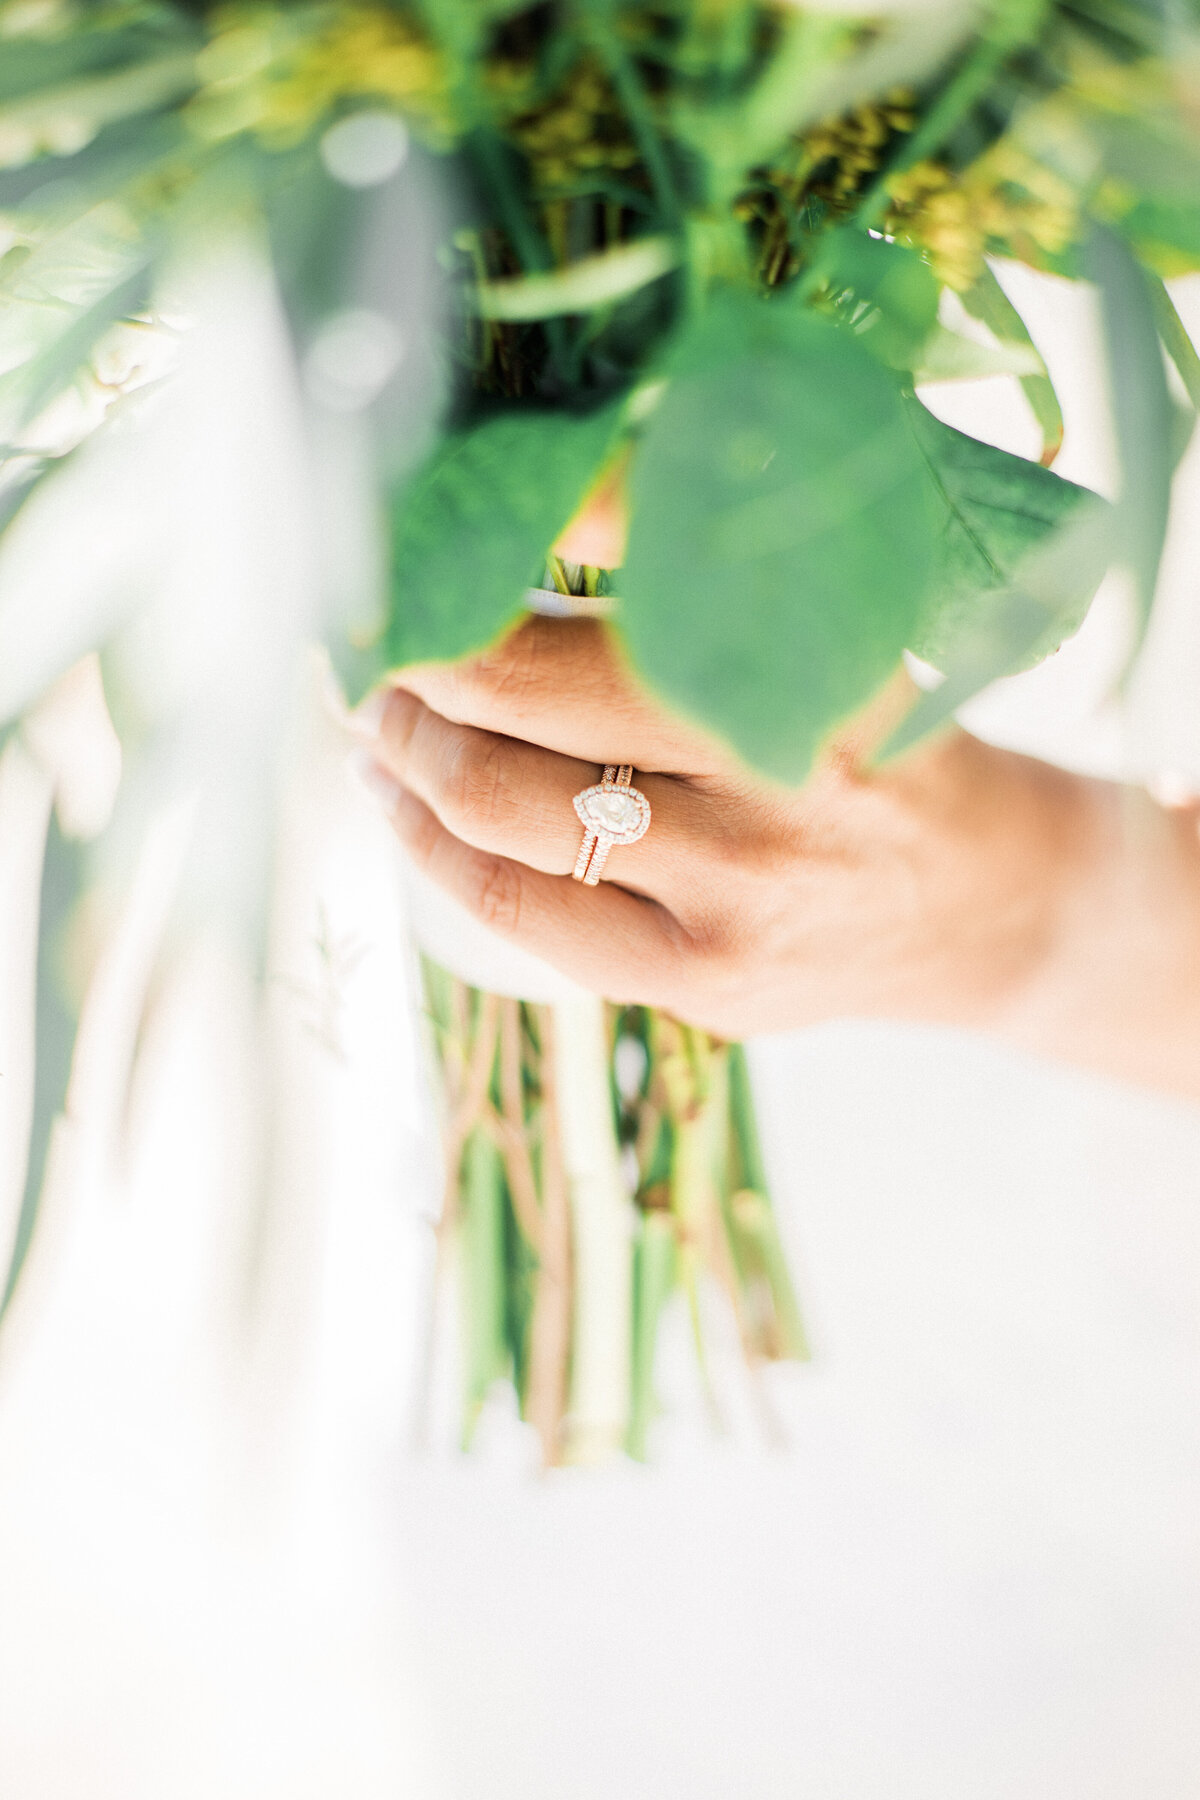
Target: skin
x,y
963,886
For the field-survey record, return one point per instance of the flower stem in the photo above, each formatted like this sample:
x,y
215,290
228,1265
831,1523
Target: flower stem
x,y
601,1217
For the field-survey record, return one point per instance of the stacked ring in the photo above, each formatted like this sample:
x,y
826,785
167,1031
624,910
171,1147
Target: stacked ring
x,y
611,812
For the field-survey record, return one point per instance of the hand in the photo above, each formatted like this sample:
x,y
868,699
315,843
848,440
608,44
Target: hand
x,y
941,889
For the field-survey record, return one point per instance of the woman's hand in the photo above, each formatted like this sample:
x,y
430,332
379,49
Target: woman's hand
x,y
965,885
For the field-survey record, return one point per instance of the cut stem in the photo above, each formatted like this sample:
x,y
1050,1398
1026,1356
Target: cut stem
x,y
602,1231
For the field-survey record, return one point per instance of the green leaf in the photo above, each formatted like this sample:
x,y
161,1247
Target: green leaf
x,y
56,301
1143,419
996,509
792,91
998,641
783,531
1015,626
1152,163
1021,554
754,1239
948,356
988,302
24,391
486,1357
1150,152
472,530
1165,235
654,1260
1176,342
581,286
95,41
62,882
61,120
896,290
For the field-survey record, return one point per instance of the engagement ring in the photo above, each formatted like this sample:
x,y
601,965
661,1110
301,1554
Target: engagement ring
x,y
612,812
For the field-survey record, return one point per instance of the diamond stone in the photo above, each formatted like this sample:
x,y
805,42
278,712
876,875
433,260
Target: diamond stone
x,y
614,809
622,814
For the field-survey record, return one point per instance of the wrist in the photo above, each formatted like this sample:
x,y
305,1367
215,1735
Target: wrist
x,y
1116,984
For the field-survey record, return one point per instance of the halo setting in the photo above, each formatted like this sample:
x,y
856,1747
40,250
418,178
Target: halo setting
x,y
611,812
620,814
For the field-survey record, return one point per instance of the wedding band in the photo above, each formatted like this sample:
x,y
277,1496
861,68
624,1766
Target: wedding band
x,y
611,812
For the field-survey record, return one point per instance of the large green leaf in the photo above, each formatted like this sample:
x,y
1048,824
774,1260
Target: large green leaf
x,y
893,290
996,510
472,530
1012,627
782,532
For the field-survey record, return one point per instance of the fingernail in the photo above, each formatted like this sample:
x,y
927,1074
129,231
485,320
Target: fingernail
x,y
381,786
366,721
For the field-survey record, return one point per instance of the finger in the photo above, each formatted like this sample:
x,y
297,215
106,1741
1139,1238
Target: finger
x,y
606,939
563,684
516,799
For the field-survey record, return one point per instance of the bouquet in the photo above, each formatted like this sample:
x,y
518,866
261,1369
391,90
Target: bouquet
x,y
697,257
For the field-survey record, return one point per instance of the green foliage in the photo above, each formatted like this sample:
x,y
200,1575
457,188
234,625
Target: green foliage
x,y
988,302
63,874
1014,626
783,531
753,1236
25,390
1151,160
995,510
48,65
893,293
486,1356
1143,420
655,1259
1175,340
1166,237
998,639
472,530
602,148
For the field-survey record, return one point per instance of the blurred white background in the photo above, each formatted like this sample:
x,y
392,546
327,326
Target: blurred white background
x,y
968,1568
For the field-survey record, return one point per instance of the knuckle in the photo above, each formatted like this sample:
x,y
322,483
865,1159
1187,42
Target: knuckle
x,y
474,783
497,897
402,714
710,935
517,678
512,675
421,837
539,660
455,691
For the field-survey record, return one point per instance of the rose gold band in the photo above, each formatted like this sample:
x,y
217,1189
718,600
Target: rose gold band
x,y
593,851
